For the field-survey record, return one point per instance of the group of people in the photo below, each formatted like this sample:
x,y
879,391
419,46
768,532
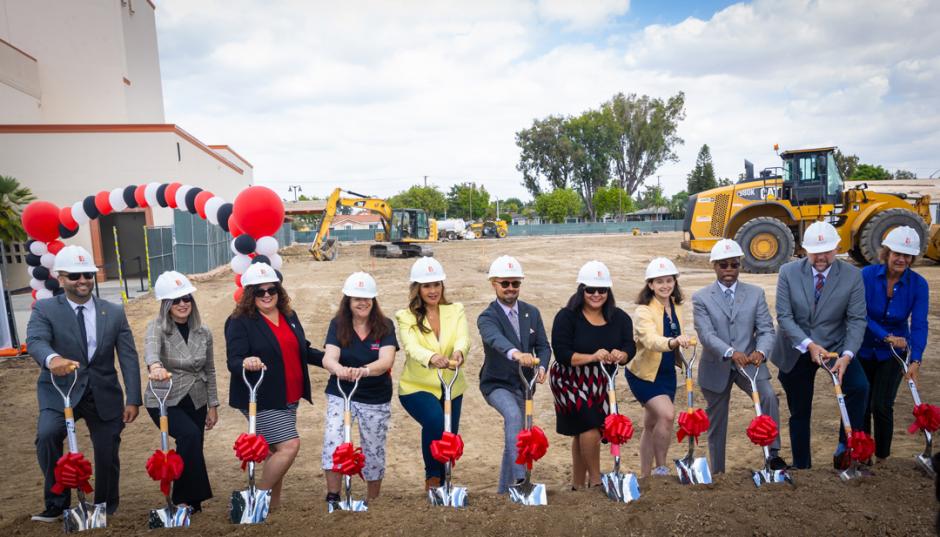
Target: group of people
x,y
823,305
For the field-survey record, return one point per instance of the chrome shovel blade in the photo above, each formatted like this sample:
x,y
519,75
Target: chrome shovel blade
x,y
693,471
85,517
528,494
455,497
351,505
926,465
249,506
765,476
621,487
853,472
169,517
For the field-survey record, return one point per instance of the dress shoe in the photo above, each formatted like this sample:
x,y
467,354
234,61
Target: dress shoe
x,y
777,463
842,461
51,514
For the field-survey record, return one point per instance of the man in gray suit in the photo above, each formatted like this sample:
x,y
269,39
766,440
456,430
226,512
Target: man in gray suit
x,y
820,309
733,323
75,330
512,334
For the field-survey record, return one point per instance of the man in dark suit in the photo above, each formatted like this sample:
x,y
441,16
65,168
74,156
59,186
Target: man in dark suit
x,y
820,309
512,334
70,331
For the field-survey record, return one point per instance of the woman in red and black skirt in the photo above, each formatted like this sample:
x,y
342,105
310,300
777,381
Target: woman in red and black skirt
x,y
588,333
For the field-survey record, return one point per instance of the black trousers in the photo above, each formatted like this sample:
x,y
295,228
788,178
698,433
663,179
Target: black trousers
x,y
105,439
884,377
187,427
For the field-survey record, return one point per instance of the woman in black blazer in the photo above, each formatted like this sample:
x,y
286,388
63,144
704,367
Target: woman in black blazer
x,y
264,333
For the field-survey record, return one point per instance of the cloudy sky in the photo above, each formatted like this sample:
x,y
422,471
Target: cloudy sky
x,y
374,95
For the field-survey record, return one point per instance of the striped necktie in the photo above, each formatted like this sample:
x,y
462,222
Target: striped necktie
x,y
820,281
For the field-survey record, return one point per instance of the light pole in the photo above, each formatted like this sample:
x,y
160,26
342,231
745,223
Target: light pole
x,y
295,189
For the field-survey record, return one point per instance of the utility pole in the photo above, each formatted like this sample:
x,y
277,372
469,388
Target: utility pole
x,y
295,189
425,181
472,187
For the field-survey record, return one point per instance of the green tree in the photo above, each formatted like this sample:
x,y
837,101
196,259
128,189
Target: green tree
x,y
612,200
558,204
845,163
546,155
594,137
646,135
429,198
13,199
870,172
468,201
702,177
724,181
652,197
677,204
904,175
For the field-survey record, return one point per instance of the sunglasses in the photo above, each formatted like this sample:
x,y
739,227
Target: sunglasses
x,y
185,299
75,276
506,284
596,290
269,291
726,264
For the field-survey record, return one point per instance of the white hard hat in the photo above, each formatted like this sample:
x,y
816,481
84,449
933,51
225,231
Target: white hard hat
x,y
74,259
259,273
506,266
595,274
725,249
427,270
661,267
903,240
172,284
820,237
360,285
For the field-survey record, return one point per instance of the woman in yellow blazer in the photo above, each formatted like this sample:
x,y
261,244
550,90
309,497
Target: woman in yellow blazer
x,y
432,332
652,374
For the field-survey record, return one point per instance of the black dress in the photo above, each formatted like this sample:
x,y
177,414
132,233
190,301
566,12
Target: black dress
x,y
580,392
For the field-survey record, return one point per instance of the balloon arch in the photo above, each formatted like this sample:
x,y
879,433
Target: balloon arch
x,y
256,214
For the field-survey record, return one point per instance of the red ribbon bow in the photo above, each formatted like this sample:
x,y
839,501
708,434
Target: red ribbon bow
x,y
762,430
861,445
926,418
72,471
692,423
618,429
165,468
448,449
251,448
531,445
348,460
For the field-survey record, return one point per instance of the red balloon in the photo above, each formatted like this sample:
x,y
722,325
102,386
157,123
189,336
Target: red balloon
x,y
65,218
102,202
139,196
238,294
55,246
170,194
233,227
41,221
34,295
259,211
238,280
200,203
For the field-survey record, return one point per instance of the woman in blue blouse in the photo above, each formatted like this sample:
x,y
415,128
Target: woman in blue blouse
x,y
897,299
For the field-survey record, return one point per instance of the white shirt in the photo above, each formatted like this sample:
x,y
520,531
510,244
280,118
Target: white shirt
x,y
804,345
91,319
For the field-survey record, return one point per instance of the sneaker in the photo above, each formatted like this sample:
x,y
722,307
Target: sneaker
x,y
777,463
660,471
49,515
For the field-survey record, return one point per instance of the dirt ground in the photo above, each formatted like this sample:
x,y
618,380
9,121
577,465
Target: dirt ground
x,y
898,500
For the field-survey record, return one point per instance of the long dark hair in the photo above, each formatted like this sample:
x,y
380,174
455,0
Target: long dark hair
x,y
647,295
246,306
377,322
576,302
417,307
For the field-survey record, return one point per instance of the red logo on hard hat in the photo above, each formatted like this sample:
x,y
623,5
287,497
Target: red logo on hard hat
x,y
509,265
907,241
179,283
81,259
599,274
430,268
360,283
263,272
820,237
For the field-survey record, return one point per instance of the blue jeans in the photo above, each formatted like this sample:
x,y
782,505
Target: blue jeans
x,y
428,410
512,407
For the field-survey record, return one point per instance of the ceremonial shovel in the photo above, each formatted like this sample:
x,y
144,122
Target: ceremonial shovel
x,y
528,493
250,506
690,469
764,475
348,504
924,459
854,470
448,494
171,516
618,486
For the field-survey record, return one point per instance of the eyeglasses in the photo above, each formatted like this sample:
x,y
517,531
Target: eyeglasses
x,y
269,291
596,290
505,284
726,264
186,299
75,276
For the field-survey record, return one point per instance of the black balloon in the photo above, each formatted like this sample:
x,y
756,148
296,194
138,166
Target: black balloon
x,y
161,195
191,199
29,243
244,244
40,273
67,233
225,211
33,260
128,196
52,284
280,276
260,258
58,292
88,205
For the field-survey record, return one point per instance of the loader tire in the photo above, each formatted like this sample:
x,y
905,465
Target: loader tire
x,y
875,229
767,243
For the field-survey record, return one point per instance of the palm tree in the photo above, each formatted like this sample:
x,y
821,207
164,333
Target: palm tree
x,y
13,198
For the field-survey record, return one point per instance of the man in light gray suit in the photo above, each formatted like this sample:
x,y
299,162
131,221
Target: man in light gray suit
x,y
75,330
733,323
820,309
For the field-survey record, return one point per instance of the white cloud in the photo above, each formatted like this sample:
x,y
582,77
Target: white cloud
x,y
583,14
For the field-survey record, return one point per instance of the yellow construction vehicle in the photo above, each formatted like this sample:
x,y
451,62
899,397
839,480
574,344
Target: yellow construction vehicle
x,y
766,215
404,233
496,229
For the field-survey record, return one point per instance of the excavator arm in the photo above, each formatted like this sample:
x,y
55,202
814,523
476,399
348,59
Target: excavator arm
x,y
324,248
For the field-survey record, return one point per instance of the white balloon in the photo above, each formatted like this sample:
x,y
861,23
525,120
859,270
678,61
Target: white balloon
x,y
29,270
231,246
116,198
240,263
150,194
276,261
43,293
181,197
37,284
38,248
79,214
212,209
266,246
47,260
